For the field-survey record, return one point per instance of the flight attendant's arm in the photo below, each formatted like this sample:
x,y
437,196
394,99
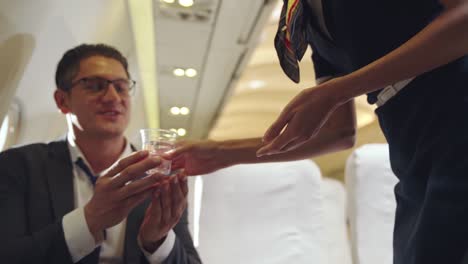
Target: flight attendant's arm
x,y
444,40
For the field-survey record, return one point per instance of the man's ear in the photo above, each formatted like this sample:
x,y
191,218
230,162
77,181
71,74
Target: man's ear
x,y
62,101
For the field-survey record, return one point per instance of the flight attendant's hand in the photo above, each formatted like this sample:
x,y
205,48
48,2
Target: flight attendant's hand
x,y
301,119
197,157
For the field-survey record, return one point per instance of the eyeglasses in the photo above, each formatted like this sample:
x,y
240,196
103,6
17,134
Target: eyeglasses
x,y
98,85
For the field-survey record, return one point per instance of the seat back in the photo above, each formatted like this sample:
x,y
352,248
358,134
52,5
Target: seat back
x,y
371,204
336,239
262,213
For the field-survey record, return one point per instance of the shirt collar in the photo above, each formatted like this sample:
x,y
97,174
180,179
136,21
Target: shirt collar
x,y
75,152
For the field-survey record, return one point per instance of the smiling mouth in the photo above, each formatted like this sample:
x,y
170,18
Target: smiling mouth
x,y
110,113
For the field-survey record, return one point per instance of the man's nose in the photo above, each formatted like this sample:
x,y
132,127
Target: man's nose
x,y
110,93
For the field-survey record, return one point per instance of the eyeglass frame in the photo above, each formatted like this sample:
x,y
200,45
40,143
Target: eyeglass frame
x,y
131,89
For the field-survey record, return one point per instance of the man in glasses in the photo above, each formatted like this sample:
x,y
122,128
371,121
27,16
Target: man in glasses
x,y
82,199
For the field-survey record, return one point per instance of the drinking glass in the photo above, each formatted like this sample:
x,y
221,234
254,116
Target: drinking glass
x,y
157,142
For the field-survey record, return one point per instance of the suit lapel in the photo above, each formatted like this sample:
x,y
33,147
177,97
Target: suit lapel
x,y
59,173
132,252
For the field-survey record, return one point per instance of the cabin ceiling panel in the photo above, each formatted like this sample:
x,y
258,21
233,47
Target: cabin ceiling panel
x,y
214,85
214,44
20,16
185,55
177,91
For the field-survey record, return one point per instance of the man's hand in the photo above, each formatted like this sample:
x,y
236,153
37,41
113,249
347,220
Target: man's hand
x,y
196,158
118,191
168,203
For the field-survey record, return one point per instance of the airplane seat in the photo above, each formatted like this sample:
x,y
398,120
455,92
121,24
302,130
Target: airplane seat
x,y
371,206
336,235
263,213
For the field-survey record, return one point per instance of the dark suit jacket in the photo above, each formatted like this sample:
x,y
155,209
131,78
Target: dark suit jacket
x,y
36,191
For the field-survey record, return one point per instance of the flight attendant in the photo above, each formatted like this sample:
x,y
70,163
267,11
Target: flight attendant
x,y
410,58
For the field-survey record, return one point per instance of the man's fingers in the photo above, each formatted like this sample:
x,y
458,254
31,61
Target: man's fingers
x,y
136,199
156,212
183,185
135,171
138,186
165,200
177,165
177,196
125,162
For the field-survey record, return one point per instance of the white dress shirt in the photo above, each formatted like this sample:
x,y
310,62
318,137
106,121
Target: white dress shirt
x,y
79,239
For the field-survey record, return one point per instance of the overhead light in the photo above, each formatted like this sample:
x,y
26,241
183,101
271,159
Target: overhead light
x,y
168,1
175,110
184,111
256,84
190,72
182,132
179,72
186,3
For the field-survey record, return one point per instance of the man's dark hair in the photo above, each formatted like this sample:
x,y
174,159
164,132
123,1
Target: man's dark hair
x,y
69,65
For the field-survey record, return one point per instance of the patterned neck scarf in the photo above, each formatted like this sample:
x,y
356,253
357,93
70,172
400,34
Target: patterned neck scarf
x,y
290,40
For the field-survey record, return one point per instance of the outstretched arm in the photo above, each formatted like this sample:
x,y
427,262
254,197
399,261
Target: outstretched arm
x,y
203,157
